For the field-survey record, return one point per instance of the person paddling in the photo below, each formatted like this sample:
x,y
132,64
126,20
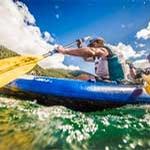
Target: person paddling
x,y
136,73
107,64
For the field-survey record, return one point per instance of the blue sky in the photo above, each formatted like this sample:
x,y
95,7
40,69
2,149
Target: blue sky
x,y
115,20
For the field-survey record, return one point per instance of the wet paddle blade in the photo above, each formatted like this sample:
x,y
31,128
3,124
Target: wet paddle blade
x,y
147,85
12,68
147,88
8,76
146,78
13,62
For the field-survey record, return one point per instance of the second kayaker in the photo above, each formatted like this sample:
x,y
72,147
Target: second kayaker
x,y
107,64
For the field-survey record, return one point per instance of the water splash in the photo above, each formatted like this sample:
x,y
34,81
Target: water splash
x,y
27,125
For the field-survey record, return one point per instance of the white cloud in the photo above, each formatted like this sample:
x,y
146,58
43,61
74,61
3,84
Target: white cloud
x,y
141,45
129,53
18,31
48,37
123,26
126,50
56,62
57,16
142,63
140,54
144,33
56,6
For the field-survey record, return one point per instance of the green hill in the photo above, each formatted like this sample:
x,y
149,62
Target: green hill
x,y
4,52
37,70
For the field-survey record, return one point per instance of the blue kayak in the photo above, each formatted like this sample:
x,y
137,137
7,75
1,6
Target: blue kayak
x,y
79,94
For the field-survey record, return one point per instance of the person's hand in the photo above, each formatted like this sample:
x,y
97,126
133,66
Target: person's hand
x,y
61,49
79,43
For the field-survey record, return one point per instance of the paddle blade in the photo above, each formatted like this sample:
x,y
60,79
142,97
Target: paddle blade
x,y
12,68
147,84
146,78
147,88
9,76
13,62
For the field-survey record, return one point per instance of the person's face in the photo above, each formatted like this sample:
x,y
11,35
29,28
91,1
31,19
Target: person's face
x,y
96,44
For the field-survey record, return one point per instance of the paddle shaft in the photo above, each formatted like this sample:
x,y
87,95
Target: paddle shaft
x,y
54,51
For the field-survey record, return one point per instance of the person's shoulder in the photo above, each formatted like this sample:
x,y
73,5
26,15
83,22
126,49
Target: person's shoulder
x,y
97,48
104,49
92,48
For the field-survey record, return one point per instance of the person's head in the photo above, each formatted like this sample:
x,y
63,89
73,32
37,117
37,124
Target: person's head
x,y
148,57
96,42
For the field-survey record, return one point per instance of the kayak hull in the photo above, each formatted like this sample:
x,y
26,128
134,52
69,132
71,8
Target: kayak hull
x,y
76,93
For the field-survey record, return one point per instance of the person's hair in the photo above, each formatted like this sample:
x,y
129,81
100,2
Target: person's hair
x,y
99,41
148,57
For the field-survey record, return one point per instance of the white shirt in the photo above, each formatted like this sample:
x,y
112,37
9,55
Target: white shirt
x,y
101,67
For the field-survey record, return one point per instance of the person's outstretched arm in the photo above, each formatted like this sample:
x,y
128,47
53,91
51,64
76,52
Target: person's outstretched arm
x,y
83,52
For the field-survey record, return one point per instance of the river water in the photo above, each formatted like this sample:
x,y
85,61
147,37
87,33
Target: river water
x,y
25,125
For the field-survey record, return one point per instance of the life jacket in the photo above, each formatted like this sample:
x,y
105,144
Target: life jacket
x,y
109,67
116,72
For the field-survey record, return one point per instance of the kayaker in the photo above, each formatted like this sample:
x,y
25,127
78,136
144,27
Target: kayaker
x,y
107,64
148,58
137,73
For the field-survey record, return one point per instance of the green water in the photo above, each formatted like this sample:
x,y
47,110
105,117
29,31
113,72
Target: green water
x,y
26,125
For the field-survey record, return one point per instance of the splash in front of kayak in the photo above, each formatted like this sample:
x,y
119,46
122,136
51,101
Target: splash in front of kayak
x,y
27,125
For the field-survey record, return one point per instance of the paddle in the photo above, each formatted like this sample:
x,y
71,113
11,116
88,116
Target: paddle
x,y
146,78
12,68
